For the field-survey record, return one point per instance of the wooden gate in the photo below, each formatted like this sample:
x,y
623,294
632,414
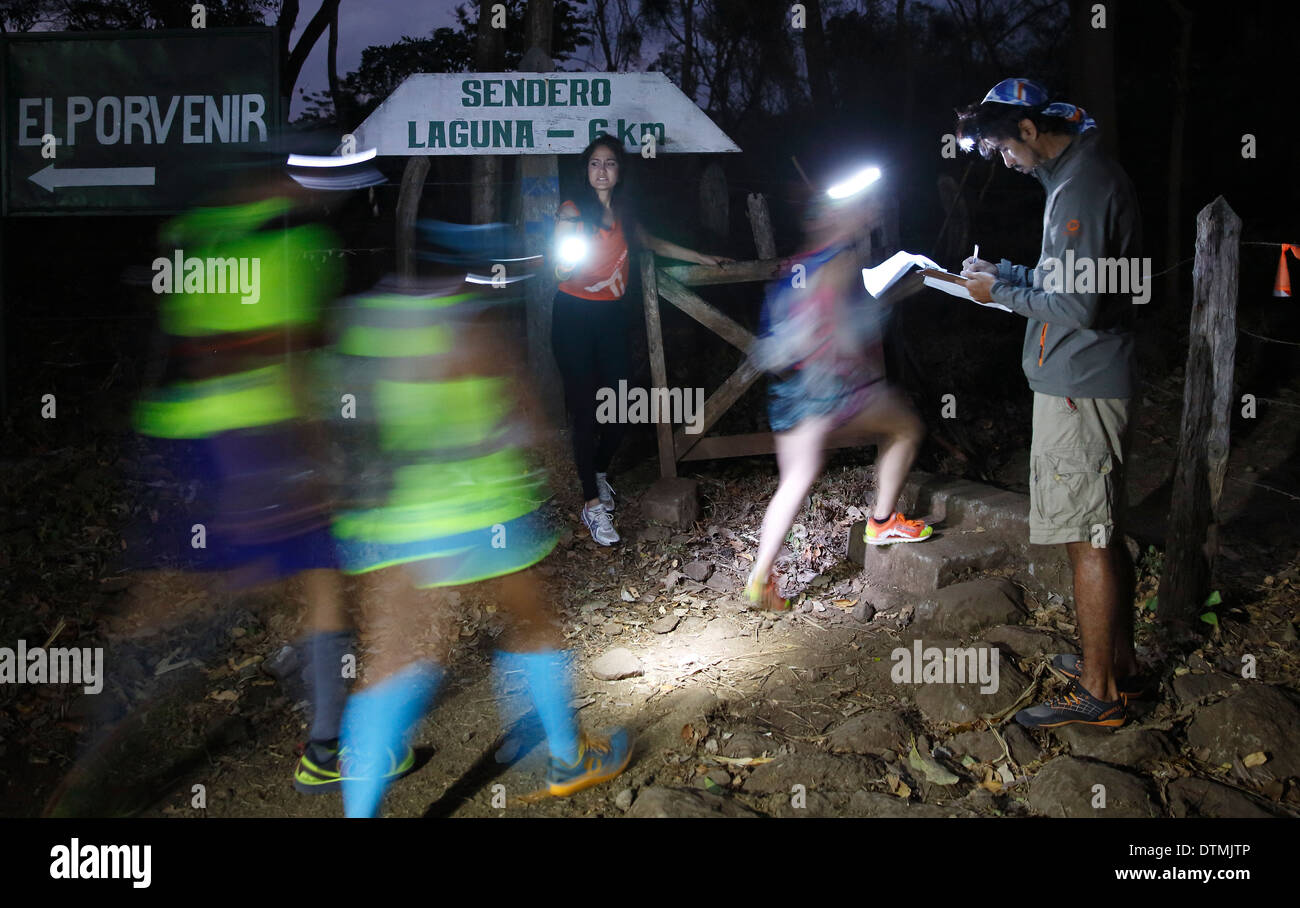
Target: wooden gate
x,y
673,284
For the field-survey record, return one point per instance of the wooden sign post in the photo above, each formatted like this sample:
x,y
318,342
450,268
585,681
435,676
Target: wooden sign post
x,y
538,114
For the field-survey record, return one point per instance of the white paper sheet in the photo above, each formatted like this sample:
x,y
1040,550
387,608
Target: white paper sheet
x,y
879,279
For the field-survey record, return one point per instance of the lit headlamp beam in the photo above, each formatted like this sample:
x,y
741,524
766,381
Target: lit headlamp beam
x,y
854,184
495,281
331,160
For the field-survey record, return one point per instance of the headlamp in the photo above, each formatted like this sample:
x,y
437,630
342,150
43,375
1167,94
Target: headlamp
x,y
854,184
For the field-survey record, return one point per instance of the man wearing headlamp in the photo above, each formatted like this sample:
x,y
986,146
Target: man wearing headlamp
x,y
1078,358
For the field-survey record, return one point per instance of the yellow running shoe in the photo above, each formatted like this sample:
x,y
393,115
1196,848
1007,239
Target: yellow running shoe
x,y
599,759
765,595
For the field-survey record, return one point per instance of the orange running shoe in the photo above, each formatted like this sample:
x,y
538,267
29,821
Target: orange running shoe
x,y
895,528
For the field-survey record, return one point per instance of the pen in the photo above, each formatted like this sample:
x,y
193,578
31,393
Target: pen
x,y
977,252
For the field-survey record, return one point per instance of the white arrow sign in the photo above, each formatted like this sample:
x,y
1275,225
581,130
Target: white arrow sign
x,y
536,113
49,178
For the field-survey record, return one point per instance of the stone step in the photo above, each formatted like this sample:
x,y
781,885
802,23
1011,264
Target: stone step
x,y
922,567
954,502
959,509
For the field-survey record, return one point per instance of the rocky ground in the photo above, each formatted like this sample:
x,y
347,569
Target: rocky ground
x,y
735,712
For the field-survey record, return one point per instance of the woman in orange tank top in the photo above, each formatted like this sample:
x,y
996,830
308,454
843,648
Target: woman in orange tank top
x,y
589,327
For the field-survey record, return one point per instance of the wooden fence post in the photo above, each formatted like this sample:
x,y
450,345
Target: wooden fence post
x,y
1207,413
761,222
658,368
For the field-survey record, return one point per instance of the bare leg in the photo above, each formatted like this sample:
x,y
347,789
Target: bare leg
x,y
1126,665
799,459
523,596
891,415
323,590
1097,589
403,624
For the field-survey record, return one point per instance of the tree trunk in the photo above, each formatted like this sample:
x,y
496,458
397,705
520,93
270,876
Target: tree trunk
x,y
284,24
715,210
291,66
903,41
485,170
689,84
342,118
539,198
1092,69
814,50
1174,202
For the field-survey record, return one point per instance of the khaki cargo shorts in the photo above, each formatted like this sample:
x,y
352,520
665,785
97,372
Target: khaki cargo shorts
x,y
1075,468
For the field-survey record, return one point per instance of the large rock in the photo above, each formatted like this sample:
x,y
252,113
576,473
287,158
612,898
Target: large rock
x,y
1126,746
615,665
982,745
965,702
871,732
661,803
967,608
1027,642
747,743
1203,798
698,571
673,501
1192,688
1257,718
1066,787
1024,749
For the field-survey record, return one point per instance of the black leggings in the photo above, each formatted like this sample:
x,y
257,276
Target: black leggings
x,y
590,342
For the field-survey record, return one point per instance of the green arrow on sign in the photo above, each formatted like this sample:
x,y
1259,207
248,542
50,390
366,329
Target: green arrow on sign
x,y
50,178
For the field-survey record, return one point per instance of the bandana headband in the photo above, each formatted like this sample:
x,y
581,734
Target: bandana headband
x,y
1027,93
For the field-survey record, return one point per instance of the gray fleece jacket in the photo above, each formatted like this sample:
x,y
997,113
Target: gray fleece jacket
x,y
1079,341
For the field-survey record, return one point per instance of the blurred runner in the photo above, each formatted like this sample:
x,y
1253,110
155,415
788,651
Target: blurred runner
x,y
440,493
820,335
231,413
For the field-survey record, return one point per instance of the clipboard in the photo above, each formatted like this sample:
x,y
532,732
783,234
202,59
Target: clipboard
x,y
947,276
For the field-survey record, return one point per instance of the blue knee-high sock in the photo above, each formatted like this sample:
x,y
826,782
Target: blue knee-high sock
x,y
547,674
328,688
376,724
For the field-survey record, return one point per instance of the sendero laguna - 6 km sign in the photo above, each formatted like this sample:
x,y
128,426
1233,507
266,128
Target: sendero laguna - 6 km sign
x,y
132,121
537,113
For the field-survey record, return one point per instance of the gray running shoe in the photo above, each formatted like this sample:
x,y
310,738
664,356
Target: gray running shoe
x,y
597,520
